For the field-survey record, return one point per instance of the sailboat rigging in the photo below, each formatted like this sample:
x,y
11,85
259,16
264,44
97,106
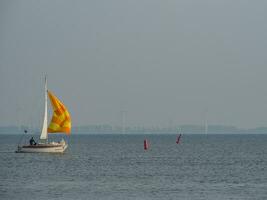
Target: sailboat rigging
x,y
60,123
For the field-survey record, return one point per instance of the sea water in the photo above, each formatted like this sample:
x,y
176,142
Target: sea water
x,y
117,167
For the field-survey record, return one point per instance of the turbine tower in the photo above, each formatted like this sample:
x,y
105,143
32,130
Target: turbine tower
x,y
123,121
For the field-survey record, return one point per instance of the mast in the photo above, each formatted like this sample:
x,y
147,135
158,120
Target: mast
x,y
206,123
43,136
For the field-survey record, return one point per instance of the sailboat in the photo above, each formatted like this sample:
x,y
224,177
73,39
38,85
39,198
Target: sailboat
x,y
60,123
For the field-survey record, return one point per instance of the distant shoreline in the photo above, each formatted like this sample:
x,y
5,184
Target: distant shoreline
x,y
107,129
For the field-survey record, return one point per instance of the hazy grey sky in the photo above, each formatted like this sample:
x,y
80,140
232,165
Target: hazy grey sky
x,y
158,60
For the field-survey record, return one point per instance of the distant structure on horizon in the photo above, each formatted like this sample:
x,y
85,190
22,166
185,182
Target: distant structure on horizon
x,y
123,121
109,129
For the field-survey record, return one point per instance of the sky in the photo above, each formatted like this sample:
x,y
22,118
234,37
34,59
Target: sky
x,y
158,62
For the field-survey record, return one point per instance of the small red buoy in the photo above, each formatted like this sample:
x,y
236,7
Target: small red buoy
x,y
145,144
178,139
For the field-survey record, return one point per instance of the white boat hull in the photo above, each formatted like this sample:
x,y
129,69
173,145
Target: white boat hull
x,y
43,148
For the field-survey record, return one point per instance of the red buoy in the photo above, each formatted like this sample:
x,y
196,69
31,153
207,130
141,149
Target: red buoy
x,y
178,139
145,144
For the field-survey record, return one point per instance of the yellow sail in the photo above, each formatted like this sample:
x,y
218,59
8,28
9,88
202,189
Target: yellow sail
x,y
61,121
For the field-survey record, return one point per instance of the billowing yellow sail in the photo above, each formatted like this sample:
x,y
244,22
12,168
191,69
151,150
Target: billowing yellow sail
x,y
61,121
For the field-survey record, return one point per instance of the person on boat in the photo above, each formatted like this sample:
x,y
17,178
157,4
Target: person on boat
x,y
32,142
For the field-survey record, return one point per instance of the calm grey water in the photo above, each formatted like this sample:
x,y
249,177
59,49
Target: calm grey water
x,y
116,167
